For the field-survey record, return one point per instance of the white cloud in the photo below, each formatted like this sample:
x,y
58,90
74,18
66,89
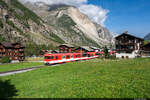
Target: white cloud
x,y
69,2
96,13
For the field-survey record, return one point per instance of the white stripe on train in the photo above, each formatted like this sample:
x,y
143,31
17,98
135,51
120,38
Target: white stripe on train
x,y
68,60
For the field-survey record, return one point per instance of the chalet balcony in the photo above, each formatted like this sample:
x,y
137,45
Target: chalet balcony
x,y
21,55
21,50
125,49
3,51
125,43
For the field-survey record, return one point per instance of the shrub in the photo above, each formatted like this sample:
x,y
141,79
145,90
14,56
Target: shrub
x,y
1,24
5,60
112,57
106,52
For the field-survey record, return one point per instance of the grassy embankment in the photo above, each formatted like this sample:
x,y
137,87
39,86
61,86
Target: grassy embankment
x,y
94,78
16,66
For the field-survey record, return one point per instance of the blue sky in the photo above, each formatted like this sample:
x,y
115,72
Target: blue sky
x,y
131,15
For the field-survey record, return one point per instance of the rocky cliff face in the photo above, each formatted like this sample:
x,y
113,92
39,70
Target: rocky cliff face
x,y
49,25
71,25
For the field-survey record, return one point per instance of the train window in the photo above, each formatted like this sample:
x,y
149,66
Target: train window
x,y
84,55
47,57
68,56
56,57
78,55
89,55
71,56
52,57
63,57
97,53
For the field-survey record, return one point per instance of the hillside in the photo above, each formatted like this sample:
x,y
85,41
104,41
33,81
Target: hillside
x,y
49,25
19,24
71,25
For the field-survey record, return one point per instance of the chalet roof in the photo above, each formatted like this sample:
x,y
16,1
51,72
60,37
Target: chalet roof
x,y
7,44
125,33
21,45
68,45
95,48
55,51
86,48
10,45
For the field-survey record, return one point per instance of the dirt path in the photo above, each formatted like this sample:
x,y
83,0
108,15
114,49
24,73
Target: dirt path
x,y
20,70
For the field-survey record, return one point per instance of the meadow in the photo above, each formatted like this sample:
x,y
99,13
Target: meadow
x,y
86,79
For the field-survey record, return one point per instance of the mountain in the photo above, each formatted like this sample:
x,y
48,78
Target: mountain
x,y
71,25
49,25
19,24
147,37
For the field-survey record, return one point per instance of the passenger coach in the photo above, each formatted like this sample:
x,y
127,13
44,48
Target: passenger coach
x,y
68,57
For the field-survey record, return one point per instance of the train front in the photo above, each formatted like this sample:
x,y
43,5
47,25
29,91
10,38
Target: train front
x,y
47,59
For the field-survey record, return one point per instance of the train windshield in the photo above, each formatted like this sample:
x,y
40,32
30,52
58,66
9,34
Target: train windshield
x,y
49,57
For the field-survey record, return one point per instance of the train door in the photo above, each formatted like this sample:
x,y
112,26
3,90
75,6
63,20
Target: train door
x,y
71,57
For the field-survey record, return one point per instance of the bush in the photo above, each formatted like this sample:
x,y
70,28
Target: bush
x,y
106,54
5,60
112,57
1,24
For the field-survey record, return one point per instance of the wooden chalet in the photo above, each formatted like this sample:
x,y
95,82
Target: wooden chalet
x,y
146,50
55,51
83,49
66,48
127,46
15,51
95,49
42,52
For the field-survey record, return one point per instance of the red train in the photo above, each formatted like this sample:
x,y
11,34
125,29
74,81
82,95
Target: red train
x,y
69,57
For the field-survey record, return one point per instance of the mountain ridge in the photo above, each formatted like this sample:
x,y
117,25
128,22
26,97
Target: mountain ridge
x,y
147,37
51,25
83,25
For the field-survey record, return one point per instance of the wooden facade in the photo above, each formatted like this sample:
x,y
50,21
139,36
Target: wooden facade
x,y
146,50
126,43
95,49
66,48
146,47
83,49
42,52
15,51
55,51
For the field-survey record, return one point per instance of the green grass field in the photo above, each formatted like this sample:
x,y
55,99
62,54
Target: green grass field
x,y
90,79
16,66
